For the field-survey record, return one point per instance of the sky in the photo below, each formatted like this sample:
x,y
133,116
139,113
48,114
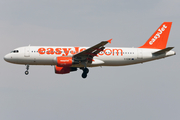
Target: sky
x,y
148,91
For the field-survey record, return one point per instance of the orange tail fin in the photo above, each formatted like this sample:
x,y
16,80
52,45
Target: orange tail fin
x,y
159,39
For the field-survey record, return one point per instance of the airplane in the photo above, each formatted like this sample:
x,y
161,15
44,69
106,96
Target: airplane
x,y
68,59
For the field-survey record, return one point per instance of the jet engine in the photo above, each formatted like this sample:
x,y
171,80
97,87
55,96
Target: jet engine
x,y
64,70
64,61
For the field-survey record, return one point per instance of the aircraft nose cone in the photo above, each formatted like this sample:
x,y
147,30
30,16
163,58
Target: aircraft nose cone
x,y
7,58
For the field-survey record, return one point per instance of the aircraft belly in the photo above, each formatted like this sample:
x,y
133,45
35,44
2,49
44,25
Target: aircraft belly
x,y
37,60
118,60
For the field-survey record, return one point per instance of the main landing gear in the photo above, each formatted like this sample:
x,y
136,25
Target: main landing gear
x,y
27,68
85,72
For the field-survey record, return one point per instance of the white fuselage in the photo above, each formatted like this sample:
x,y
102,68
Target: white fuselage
x,y
111,56
68,59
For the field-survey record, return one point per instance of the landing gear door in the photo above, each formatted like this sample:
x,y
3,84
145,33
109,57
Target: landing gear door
x,y
27,51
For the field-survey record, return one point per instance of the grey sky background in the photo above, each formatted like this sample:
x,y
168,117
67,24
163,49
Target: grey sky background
x,y
148,91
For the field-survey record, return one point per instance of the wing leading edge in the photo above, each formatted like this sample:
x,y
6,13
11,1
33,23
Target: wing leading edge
x,y
88,54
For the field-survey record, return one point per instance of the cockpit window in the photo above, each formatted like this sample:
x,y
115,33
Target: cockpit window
x,y
15,51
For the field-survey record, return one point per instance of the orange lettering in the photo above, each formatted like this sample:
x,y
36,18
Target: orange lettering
x,y
82,49
101,53
50,51
76,51
117,51
41,50
58,51
107,53
66,51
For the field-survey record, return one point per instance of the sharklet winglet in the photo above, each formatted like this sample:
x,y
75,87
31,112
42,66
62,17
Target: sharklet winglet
x,y
109,41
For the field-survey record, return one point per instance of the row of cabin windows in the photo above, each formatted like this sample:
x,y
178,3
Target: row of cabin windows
x,y
74,52
118,52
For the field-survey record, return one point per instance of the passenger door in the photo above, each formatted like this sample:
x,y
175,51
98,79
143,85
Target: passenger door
x,y
27,51
139,54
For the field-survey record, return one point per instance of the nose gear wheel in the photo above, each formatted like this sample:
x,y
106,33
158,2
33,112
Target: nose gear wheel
x,y
26,72
27,68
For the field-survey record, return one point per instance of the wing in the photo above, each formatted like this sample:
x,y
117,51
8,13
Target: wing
x,y
88,54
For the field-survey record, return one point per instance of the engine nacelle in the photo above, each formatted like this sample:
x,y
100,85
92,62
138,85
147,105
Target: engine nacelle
x,y
64,61
64,70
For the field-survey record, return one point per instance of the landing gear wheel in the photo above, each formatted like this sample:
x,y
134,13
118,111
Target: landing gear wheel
x,y
85,72
84,75
26,72
27,68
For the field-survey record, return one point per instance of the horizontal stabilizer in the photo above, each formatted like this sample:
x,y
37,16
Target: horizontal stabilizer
x,y
163,51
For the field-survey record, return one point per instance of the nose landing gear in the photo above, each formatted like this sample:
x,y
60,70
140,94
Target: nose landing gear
x,y
27,68
85,72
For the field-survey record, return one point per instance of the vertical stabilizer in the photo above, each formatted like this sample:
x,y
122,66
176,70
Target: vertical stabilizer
x,y
160,37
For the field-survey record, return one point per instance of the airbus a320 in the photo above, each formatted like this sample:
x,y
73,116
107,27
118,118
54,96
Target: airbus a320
x,y
68,59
